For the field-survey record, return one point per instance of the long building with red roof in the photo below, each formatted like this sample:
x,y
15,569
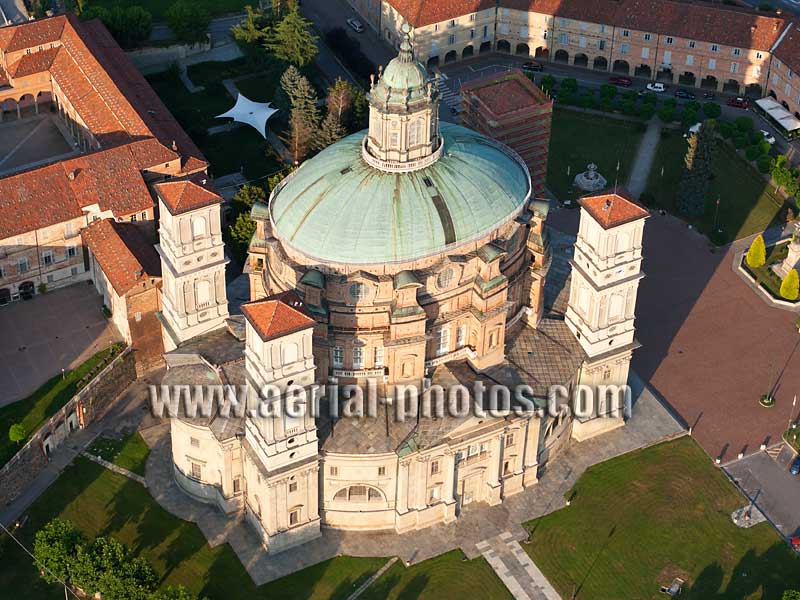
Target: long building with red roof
x,y
111,140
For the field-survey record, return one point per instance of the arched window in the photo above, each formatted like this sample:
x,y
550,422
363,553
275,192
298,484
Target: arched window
x,y
198,227
358,493
444,341
202,290
415,132
461,336
289,353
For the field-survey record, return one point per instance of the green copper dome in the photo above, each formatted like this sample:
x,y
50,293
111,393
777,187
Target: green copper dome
x,y
404,82
338,209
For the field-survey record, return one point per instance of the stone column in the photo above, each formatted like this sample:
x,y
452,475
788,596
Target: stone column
x,y
402,488
450,475
282,505
312,498
272,518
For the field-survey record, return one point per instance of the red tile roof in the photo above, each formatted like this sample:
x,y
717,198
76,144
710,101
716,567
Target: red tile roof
x,y
419,13
592,11
611,209
32,34
506,92
274,318
788,51
36,62
185,195
58,192
123,253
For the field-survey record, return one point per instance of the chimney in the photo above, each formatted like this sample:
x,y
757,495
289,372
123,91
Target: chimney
x,y
174,146
71,175
607,205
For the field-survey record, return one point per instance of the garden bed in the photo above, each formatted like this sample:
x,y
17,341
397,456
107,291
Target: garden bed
x,y
764,276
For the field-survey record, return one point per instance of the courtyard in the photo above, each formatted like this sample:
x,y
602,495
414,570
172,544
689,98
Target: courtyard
x,y
57,330
31,141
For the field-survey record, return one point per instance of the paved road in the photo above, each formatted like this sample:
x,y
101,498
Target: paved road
x,y
220,29
12,11
775,490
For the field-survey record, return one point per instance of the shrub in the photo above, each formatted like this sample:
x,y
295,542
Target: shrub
x,y
744,124
764,147
630,96
764,164
666,113
569,84
689,117
650,98
628,108
757,253
548,82
790,286
671,102
608,91
712,110
646,111
752,152
740,141
17,433
692,105
726,129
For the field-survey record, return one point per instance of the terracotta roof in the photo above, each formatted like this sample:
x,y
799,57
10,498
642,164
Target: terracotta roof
x,y
788,51
274,318
32,34
726,25
36,62
58,192
124,255
505,93
419,13
185,195
611,209
592,11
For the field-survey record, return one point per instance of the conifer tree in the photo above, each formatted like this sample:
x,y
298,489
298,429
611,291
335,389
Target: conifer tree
x,y
291,39
757,254
298,138
696,179
340,98
790,286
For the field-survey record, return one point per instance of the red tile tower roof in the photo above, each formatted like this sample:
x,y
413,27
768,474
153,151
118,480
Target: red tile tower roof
x,y
185,195
275,318
612,209
124,255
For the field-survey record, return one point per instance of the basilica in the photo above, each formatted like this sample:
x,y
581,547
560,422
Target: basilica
x,y
412,254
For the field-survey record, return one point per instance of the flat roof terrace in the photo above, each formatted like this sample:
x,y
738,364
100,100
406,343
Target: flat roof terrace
x,y
31,142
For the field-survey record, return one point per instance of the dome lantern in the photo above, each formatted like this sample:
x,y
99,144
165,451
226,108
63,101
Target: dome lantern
x,y
404,114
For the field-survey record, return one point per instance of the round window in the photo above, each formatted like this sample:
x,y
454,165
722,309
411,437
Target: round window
x,y
358,291
445,278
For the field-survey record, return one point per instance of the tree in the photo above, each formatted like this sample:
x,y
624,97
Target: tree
x,y
299,136
129,25
242,230
188,21
247,196
106,566
340,100
791,595
55,547
17,433
712,110
291,39
757,253
697,171
785,177
173,593
253,29
790,286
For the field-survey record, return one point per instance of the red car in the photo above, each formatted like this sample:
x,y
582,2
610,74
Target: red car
x,y
739,102
622,81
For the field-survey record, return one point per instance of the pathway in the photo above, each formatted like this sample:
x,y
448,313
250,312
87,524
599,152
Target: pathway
x,y
116,469
516,569
645,156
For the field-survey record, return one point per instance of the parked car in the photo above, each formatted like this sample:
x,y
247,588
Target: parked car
x,y
768,136
656,87
709,95
532,66
620,81
795,468
739,102
684,95
355,25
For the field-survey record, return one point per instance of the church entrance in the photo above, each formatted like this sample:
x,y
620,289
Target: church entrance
x,y
468,490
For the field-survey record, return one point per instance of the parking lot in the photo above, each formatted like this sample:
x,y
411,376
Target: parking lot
x,y
53,331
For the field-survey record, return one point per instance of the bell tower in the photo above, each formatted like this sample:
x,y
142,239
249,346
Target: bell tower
x,y
606,271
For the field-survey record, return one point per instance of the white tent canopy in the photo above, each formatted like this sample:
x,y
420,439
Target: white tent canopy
x,y
786,119
251,113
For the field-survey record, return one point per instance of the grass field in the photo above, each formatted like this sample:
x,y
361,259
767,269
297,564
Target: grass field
x,y
46,401
239,148
195,112
637,521
578,139
747,203
446,576
100,502
129,453
159,8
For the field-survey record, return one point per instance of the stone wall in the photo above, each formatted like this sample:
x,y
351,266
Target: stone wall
x,y
155,58
82,409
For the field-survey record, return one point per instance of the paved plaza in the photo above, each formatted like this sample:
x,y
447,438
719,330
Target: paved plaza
x,y
53,331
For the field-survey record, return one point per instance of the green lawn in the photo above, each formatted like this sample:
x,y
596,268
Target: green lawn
x,y
637,521
578,139
129,453
34,410
747,203
100,502
159,8
446,576
195,112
